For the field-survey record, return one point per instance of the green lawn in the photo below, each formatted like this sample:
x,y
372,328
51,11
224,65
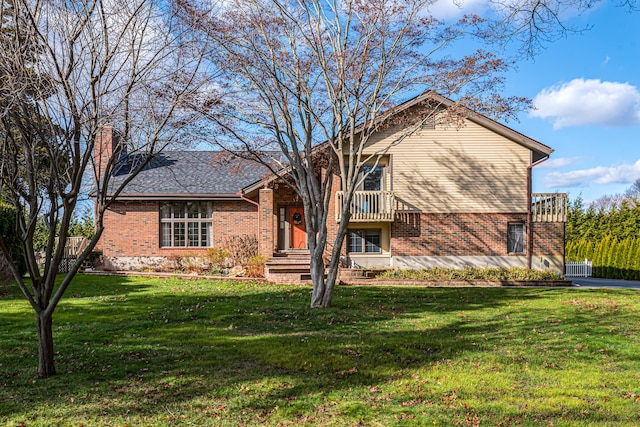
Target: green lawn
x,y
163,352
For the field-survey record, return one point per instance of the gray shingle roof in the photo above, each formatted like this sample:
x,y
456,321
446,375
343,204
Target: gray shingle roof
x,y
190,172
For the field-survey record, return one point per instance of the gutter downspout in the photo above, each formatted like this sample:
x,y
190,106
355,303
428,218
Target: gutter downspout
x,y
529,210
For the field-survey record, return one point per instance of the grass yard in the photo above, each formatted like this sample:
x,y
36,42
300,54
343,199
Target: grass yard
x,y
159,352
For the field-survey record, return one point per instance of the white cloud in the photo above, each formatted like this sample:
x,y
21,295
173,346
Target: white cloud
x,y
601,175
558,163
589,102
451,9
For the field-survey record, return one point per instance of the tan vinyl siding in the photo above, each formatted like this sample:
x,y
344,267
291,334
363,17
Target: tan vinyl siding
x,y
470,169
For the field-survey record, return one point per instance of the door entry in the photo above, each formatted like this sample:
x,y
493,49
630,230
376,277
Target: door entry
x,y
298,227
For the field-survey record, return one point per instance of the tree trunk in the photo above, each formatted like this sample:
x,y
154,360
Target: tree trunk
x,y
323,288
329,284
46,364
317,279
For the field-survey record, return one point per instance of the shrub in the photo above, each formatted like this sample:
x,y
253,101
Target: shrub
x,y
470,273
239,249
255,266
216,257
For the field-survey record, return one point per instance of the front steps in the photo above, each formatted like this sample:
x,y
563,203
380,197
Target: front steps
x,y
294,267
288,267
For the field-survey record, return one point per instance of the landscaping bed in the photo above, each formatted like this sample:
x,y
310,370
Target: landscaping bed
x,y
451,277
454,283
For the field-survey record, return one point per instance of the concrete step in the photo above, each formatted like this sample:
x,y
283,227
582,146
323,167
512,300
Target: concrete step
x,y
289,267
291,254
288,260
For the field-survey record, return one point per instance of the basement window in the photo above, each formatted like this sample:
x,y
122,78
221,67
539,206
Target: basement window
x,y
515,238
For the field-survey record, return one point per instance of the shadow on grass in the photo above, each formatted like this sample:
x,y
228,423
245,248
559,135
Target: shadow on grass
x,y
126,347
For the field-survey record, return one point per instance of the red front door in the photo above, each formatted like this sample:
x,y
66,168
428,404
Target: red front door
x,y
298,227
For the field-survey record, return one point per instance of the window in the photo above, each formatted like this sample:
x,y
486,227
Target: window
x,y
373,182
185,225
364,241
515,238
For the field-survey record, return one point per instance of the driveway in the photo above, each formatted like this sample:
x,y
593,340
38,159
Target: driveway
x,y
592,282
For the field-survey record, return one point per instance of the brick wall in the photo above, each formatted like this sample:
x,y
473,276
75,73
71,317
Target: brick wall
x,y
105,149
266,237
451,234
548,238
234,218
132,229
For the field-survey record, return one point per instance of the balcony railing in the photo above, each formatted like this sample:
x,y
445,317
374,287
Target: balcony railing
x,y
368,206
551,207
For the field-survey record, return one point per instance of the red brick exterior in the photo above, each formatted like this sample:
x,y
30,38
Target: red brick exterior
x,y
266,238
104,150
132,229
548,238
234,218
451,234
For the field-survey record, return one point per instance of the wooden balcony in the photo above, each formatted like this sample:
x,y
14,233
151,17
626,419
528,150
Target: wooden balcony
x,y
368,206
549,207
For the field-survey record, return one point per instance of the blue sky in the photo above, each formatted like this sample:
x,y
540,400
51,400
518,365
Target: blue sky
x,y
586,89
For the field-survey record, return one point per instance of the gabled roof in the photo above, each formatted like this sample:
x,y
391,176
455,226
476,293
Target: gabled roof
x,y
218,174
538,149
194,174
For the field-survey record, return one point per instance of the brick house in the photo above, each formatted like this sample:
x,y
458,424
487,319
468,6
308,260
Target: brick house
x,y
444,196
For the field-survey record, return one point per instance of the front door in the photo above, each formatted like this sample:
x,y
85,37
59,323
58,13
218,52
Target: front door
x,y
298,227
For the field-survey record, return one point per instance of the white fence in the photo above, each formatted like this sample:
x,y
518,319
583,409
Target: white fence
x,y
578,269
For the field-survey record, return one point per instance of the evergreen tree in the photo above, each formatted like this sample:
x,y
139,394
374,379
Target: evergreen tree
x,y
607,233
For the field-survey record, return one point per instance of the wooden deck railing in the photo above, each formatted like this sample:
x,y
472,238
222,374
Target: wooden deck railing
x,y
549,207
368,206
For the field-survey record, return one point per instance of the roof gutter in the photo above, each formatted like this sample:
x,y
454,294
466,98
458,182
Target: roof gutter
x,y
177,197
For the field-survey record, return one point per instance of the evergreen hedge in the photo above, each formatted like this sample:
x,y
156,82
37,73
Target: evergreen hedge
x,y
612,258
8,231
609,237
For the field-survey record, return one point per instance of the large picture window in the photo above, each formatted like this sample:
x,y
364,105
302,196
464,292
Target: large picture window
x,y
515,238
185,225
365,241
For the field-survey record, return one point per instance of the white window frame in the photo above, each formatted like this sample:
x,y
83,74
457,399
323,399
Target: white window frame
x,y
363,237
179,219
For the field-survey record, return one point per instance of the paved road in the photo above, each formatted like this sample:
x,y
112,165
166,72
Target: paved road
x,y
591,282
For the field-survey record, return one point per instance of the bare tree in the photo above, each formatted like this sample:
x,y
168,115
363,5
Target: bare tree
x,y
633,192
92,64
316,79
534,24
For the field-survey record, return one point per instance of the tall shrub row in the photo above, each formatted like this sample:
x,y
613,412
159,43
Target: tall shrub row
x,y
612,258
8,231
608,236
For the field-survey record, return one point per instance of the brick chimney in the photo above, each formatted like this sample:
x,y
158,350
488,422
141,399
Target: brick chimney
x,y
105,149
